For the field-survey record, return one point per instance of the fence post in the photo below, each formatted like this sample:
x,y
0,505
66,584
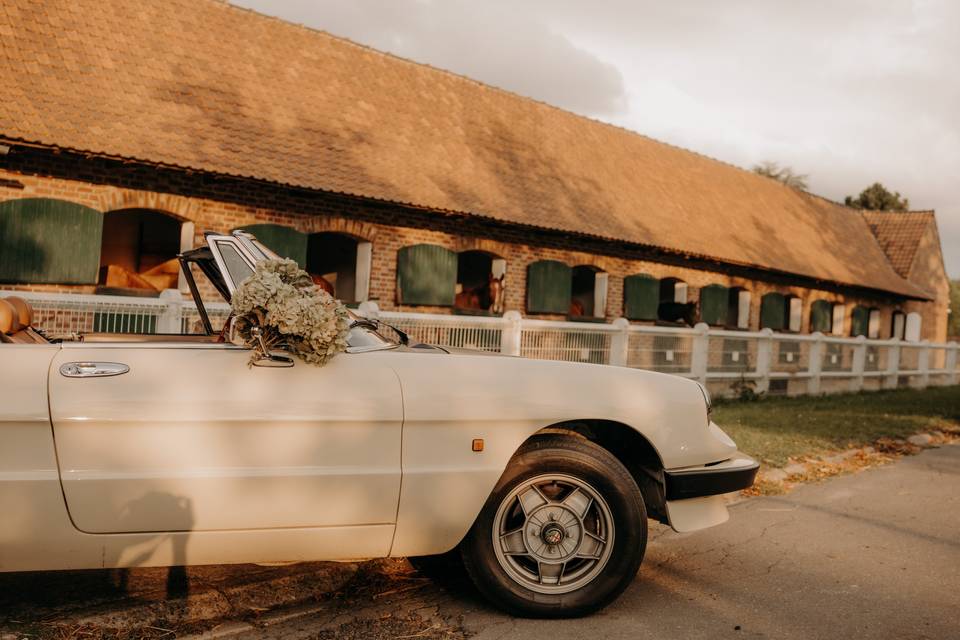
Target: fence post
x,y
950,362
171,318
620,342
891,380
923,364
859,363
511,334
815,364
701,351
369,309
764,360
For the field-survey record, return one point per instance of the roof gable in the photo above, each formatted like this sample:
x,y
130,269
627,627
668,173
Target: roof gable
x,y
203,85
899,234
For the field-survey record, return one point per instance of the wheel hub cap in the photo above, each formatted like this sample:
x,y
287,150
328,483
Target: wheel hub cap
x,y
553,534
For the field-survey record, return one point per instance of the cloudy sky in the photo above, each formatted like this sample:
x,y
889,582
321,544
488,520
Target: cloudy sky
x,y
847,91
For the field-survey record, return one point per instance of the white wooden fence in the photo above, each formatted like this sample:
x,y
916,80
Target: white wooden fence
x,y
725,360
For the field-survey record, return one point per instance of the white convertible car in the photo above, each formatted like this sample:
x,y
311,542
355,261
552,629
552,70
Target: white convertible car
x,y
151,450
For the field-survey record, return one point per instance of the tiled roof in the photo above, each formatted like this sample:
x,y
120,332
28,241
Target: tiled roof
x,y
203,85
899,234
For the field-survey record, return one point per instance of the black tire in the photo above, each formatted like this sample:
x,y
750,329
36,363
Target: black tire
x,y
584,461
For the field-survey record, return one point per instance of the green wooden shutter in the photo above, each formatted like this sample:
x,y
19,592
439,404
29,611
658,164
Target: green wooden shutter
x,y
49,241
286,242
714,300
821,316
549,287
773,311
859,321
641,297
426,274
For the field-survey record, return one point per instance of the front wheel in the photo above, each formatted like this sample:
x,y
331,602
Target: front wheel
x,y
563,532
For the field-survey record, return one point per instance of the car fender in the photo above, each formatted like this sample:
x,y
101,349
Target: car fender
x,y
452,400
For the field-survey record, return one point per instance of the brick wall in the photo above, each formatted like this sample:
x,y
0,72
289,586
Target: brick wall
x,y
220,204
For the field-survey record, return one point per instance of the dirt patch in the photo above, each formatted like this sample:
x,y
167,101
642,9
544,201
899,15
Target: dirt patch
x,y
814,469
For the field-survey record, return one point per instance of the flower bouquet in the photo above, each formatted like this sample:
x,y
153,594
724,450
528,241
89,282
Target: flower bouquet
x,y
280,307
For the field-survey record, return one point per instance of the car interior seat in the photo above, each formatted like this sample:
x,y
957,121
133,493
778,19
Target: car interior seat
x,y
16,317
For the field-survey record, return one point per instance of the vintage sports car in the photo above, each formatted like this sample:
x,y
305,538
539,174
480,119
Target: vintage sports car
x,y
151,450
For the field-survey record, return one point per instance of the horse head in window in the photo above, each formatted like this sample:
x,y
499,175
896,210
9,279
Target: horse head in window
x,y
681,312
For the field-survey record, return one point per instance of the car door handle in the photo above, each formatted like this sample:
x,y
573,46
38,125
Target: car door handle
x,y
92,369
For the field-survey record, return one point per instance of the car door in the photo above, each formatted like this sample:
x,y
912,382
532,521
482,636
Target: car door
x,y
155,437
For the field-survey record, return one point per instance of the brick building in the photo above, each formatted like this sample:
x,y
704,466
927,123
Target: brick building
x,y
126,131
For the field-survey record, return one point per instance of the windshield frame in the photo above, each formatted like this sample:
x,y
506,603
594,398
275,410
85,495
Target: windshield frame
x,y
252,251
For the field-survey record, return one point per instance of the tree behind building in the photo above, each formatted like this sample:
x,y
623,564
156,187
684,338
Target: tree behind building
x,y
782,174
876,197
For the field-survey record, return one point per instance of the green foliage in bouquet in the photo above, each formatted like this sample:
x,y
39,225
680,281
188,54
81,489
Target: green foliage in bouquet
x,y
280,305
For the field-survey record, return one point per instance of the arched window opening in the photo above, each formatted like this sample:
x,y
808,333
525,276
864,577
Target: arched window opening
x,y
821,316
673,306
480,279
588,292
897,325
340,264
139,250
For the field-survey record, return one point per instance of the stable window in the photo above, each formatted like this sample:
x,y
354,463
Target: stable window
x,y
588,292
673,306
821,316
641,297
340,265
480,280
139,250
43,240
549,285
426,275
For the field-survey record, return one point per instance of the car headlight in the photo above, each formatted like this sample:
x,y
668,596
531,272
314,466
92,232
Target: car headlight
x,y
707,400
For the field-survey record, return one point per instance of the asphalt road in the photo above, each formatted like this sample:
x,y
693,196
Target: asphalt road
x,y
870,555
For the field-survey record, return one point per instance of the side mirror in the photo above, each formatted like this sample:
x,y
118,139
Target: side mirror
x,y
266,358
273,360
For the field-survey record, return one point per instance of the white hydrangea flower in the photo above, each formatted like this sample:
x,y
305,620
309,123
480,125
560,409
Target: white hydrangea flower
x,y
291,312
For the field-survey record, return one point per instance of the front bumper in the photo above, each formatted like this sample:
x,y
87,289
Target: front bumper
x,y
724,477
